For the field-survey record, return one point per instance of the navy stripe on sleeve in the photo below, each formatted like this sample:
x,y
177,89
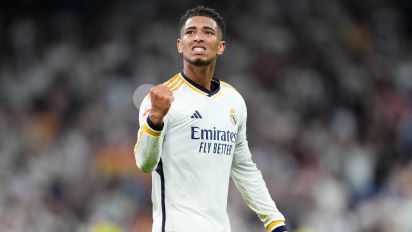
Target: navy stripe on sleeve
x,y
280,229
153,126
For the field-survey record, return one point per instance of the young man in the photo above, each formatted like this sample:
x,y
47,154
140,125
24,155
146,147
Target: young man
x,y
193,135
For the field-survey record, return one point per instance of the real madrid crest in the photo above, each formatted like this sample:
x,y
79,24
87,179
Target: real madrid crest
x,y
232,116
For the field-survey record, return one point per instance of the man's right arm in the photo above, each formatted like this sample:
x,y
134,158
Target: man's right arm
x,y
151,119
148,146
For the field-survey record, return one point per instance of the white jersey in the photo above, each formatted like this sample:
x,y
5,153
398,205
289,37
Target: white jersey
x,y
202,144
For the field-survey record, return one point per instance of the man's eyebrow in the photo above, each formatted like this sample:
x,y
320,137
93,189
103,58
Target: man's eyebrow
x,y
205,27
209,28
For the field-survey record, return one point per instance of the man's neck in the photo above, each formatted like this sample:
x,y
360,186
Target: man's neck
x,y
200,75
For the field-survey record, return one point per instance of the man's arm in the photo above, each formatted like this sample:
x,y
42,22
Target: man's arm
x,y
151,119
248,179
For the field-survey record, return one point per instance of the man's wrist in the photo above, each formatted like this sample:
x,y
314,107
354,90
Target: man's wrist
x,y
154,126
277,226
280,229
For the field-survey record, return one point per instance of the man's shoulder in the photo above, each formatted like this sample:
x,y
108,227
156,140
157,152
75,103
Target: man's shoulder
x,y
227,86
174,82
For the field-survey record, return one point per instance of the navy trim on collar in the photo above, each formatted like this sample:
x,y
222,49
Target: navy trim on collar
x,y
215,86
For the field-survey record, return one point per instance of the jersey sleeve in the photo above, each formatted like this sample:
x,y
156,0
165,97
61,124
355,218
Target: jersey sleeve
x,y
149,140
249,181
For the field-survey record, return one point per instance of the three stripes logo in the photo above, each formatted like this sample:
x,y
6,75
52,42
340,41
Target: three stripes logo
x,y
196,114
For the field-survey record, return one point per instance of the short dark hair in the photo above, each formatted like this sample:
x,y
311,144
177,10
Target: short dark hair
x,y
203,11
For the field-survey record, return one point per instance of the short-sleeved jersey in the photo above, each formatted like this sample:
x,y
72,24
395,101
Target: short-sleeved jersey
x,y
201,145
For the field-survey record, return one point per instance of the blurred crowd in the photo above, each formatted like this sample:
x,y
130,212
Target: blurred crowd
x,y
328,84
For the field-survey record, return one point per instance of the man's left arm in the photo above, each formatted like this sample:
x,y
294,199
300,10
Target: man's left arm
x,y
249,181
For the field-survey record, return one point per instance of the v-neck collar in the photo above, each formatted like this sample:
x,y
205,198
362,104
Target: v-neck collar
x,y
215,86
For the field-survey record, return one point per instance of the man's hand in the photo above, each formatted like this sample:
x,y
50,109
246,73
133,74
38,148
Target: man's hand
x,y
161,98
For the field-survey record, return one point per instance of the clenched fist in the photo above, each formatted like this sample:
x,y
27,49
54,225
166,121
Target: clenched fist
x,y
161,98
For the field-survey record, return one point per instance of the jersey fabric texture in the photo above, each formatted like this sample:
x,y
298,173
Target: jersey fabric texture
x,y
192,157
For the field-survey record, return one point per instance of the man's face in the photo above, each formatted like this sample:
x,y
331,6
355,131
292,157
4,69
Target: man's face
x,y
200,41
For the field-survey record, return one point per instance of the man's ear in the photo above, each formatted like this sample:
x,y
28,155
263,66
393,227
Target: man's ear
x,y
179,46
221,49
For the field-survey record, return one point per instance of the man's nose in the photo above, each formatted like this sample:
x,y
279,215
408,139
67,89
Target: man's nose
x,y
198,37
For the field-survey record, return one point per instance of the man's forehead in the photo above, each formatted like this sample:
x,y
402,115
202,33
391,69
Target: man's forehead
x,y
200,21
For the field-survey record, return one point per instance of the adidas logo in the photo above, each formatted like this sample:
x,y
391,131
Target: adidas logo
x,y
196,114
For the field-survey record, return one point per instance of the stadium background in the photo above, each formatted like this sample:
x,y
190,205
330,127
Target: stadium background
x,y
328,85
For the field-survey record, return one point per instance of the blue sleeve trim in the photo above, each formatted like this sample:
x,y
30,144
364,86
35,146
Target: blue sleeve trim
x,y
280,229
153,126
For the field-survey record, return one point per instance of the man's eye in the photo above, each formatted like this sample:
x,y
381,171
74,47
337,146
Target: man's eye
x,y
189,32
209,33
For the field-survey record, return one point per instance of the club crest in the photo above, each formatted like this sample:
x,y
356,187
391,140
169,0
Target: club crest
x,y
232,116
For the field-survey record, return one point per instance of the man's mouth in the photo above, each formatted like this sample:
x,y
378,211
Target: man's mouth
x,y
198,49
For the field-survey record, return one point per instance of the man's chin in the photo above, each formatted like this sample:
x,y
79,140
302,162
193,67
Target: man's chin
x,y
200,62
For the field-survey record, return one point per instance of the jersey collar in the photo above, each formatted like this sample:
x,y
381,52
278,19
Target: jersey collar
x,y
198,88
